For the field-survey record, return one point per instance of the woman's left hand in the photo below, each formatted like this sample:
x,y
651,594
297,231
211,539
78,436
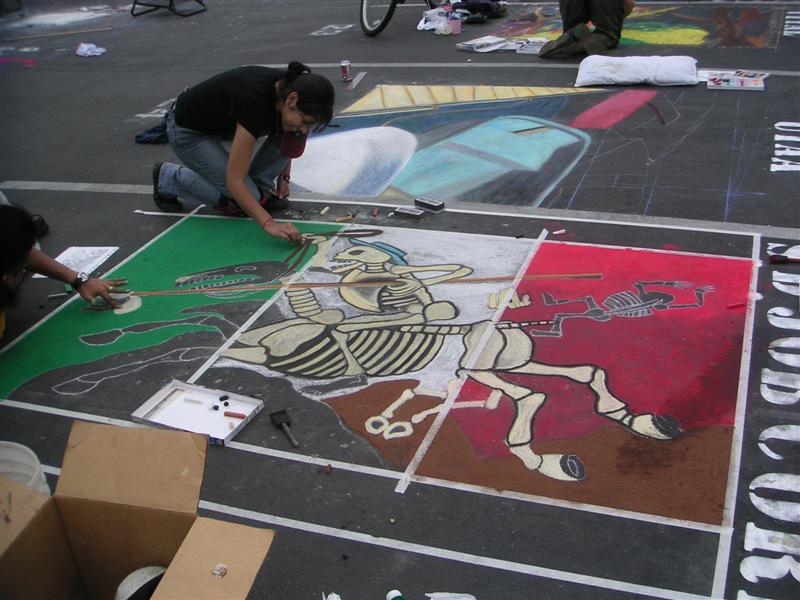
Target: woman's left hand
x,y
92,288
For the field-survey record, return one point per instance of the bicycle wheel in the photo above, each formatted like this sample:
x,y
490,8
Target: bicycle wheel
x,y
376,14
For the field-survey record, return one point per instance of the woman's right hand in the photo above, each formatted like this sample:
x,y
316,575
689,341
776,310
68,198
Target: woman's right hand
x,y
285,231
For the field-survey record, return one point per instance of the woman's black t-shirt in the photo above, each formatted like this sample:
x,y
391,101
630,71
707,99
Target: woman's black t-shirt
x,y
244,95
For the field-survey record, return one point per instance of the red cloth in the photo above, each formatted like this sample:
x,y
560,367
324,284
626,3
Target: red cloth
x,y
292,146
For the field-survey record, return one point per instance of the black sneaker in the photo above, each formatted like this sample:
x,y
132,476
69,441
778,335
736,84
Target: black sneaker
x,y
271,202
163,202
40,226
567,44
596,43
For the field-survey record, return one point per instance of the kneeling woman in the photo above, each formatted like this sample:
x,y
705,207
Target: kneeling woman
x,y
242,105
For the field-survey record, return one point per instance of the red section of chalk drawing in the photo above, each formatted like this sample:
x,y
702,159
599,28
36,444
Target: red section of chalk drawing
x,y
682,362
613,110
25,62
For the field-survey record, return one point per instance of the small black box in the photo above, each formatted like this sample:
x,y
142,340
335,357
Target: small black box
x,y
407,212
429,204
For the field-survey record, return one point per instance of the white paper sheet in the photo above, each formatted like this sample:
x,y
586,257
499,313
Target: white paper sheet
x,y
84,258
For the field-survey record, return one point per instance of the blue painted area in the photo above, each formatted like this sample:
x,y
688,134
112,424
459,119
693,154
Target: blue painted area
x,y
478,156
470,152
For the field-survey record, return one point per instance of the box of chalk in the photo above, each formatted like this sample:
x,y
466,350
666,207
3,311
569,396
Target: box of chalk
x,y
429,204
407,212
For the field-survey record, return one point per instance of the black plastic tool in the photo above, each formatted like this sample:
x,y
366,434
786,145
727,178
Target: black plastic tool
x,y
280,418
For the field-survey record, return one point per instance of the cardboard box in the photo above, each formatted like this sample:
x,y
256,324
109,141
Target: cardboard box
x,y
126,498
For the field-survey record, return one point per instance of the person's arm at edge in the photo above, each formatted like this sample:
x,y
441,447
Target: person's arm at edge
x,y
41,263
238,165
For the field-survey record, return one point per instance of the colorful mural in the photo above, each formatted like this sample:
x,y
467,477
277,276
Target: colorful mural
x,y
467,143
672,25
171,304
595,149
536,351
549,384
656,331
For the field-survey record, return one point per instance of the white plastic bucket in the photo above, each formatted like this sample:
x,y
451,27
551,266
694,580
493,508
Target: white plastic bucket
x,y
19,463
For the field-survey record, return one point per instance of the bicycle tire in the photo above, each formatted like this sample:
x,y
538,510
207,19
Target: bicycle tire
x,y
375,15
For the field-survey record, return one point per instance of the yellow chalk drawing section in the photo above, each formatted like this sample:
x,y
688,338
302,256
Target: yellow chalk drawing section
x,y
646,25
674,36
398,97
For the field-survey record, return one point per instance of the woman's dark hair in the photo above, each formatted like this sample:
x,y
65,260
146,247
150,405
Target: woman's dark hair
x,y
17,236
315,95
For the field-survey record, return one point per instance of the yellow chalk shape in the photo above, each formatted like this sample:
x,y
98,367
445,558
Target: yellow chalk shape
x,y
398,97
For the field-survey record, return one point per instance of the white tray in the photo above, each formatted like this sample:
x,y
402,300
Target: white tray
x,y
189,407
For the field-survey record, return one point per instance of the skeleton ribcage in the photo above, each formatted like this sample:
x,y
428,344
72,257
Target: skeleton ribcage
x,y
626,304
392,352
378,351
389,300
320,357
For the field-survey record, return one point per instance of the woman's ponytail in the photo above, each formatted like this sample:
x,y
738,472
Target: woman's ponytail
x,y
294,70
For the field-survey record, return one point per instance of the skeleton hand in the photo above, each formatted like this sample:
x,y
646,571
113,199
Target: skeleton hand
x,y
515,302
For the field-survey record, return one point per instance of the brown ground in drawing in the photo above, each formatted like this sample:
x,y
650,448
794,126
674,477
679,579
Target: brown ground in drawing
x,y
683,478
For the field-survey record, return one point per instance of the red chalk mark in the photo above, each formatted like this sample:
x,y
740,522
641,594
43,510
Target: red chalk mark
x,y
25,62
670,247
613,110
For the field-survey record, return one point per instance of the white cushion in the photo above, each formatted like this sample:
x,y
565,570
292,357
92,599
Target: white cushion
x,y
655,70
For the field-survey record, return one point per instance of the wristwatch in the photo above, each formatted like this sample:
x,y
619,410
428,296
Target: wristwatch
x,y
80,279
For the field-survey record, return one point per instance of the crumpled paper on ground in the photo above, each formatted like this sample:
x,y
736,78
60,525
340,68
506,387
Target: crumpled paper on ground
x,y
85,49
433,19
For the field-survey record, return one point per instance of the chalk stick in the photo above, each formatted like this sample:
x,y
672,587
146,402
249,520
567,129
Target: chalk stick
x,y
235,415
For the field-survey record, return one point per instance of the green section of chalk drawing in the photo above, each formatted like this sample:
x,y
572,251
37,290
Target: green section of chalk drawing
x,y
195,244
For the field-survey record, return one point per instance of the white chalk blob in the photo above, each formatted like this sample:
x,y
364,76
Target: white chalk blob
x,y
362,162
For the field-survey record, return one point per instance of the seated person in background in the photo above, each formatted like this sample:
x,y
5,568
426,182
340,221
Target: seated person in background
x,y
17,255
590,27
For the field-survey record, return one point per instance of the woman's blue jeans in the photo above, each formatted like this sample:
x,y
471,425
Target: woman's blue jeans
x,y
203,178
